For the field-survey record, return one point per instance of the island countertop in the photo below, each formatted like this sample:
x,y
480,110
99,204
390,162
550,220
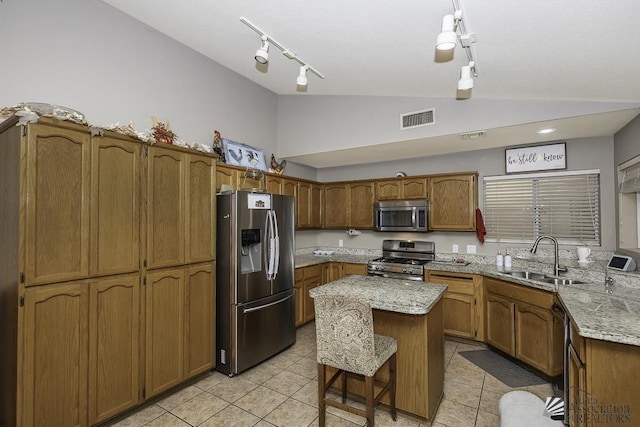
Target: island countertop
x,y
397,295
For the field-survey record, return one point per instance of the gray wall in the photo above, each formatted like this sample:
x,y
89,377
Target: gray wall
x,y
86,55
308,125
585,153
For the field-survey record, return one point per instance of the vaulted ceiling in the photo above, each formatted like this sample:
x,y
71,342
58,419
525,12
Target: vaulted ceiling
x,y
530,50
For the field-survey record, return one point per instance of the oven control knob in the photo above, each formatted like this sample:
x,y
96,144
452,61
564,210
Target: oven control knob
x,y
406,270
381,268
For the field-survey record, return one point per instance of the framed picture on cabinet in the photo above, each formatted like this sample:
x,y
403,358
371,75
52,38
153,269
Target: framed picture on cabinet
x,y
238,154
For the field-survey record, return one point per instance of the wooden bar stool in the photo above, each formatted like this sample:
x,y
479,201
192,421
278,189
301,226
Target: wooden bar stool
x,y
346,341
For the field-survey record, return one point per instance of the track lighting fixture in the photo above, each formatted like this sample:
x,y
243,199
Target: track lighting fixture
x,y
262,54
466,81
447,38
454,29
302,77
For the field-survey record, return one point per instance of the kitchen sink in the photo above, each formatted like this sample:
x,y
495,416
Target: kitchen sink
x,y
530,275
562,281
526,275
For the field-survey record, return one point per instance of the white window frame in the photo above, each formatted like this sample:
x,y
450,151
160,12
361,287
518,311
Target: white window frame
x,y
626,214
535,231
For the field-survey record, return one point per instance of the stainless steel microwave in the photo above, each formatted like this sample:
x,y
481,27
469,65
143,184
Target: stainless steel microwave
x,y
401,215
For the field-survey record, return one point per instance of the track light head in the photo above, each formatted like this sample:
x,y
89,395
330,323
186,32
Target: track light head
x,y
302,77
262,54
447,38
466,81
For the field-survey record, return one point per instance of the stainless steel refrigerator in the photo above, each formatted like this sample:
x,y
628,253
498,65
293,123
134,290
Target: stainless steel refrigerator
x,y
255,316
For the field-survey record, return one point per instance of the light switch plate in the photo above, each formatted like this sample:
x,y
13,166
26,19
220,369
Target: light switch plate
x,y
471,249
340,243
455,249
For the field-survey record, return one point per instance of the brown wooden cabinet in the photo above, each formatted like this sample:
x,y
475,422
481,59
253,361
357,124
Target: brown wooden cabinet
x,y
114,346
57,209
306,278
602,375
200,209
165,207
453,201
519,322
225,176
180,206
115,205
335,206
462,303
348,205
309,205
401,188
164,337
80,212
55,357
199,332
360,199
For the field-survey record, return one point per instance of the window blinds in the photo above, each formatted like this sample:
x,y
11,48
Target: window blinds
x,y
565,205
630,178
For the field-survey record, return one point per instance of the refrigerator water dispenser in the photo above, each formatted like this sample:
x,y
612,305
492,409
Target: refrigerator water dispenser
x,y
251,253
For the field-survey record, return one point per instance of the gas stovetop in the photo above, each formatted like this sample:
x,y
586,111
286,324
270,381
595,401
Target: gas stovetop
x,y
394,260
402,258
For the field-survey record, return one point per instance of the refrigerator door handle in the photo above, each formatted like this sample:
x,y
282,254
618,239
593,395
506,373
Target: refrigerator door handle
x,y
276,236
260,307
271,245
267,240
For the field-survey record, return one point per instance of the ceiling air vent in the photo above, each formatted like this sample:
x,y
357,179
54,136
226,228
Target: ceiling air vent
x,y
416,119
472,136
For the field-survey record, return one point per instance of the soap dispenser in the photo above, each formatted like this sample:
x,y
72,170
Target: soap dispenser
x,y
507,261
499,260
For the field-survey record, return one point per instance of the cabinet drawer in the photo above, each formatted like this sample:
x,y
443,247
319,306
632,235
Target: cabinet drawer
x,y
313,271
537,297
299,275
457,282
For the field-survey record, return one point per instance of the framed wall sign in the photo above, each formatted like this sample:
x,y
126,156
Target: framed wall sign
x,y
244,155
536,158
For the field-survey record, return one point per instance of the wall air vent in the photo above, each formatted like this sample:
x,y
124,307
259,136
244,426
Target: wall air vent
x,y
417,119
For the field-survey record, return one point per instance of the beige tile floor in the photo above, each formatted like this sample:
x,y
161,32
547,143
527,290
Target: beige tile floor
x,y
283,392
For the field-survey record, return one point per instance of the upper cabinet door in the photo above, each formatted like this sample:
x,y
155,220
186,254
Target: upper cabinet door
x,y
335,206
200,209
165,207
57,204
361,205
415,188
453,200
115,206
388,190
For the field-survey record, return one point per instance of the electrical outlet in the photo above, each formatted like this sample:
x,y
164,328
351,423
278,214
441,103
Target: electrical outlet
x,y
471,249
455,249
340,243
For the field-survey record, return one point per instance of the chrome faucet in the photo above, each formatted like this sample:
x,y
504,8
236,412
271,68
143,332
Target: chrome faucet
x,y
556,266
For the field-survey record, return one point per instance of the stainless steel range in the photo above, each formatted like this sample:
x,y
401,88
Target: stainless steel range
x,y
402,259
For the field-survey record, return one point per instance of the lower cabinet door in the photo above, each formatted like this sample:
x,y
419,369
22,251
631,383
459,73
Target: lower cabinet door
x,y
200,319
164,330
460,314
500,324
114,346
534,337
55,357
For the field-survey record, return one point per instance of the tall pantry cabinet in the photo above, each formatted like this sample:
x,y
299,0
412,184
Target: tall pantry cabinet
x,y
73,301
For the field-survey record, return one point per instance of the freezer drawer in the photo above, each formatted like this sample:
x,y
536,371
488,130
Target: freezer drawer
x,y
260,330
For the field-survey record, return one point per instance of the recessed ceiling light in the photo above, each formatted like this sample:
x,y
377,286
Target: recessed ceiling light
x,y
545,131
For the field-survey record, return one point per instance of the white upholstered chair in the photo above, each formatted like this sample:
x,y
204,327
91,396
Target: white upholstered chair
x,y
346,341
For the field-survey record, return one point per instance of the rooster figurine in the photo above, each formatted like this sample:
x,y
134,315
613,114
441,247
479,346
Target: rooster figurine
x,y
278,167
217,146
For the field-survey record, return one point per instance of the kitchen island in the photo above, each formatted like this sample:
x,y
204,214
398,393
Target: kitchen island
x,y
411,312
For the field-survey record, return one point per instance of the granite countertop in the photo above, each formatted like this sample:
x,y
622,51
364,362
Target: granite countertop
x,y
597,315
401,296
306,260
